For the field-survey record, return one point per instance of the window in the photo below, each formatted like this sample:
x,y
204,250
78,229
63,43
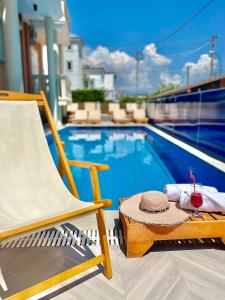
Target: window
x,y
1,33
70,47
69,66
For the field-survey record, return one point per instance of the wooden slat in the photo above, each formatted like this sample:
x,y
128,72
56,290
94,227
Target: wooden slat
x,y
207,217
218,216
196,219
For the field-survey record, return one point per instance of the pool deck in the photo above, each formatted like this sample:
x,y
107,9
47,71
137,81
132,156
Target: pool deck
x,y
169,271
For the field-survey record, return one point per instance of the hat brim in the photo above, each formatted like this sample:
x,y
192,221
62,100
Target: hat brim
x,y
171,217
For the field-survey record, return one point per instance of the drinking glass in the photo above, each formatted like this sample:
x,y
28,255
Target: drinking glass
x,y
197,200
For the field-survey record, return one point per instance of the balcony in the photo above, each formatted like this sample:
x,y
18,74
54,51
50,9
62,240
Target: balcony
x,y
41,82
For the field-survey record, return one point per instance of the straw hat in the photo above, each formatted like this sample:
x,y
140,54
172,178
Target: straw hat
x,y
153,208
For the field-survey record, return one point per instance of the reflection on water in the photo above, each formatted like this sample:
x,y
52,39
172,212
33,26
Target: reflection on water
x,y
134,164
114,145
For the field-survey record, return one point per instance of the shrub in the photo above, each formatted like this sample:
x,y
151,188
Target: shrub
x,y
127,99
88,95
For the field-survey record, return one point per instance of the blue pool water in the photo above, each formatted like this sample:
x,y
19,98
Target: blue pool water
x,y
209,138
139,160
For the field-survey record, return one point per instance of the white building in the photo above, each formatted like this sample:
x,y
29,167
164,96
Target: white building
x,y
98,78
32,35
109,85
73,62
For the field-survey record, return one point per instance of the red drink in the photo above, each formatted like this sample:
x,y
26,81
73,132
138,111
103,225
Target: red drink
x,y
196,199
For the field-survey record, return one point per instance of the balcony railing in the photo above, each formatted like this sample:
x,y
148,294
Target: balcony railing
x,y
63,90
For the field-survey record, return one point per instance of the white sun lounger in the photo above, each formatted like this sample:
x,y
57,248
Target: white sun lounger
x,y
139,116
90,106
131,107
112,107
81,116
94,116
119,116
72,108
33,195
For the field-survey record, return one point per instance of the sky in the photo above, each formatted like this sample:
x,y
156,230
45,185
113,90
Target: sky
x,y
114,31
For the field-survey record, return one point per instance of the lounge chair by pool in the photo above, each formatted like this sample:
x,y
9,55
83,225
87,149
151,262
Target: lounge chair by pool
x,y
94,116
33,196
130,108
139,116
90,106
119,116
113,107
72,108
81,116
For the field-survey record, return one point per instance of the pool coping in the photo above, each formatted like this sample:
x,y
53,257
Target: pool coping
x,y
220,165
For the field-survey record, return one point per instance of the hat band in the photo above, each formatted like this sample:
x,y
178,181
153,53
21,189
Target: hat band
x,y
154,211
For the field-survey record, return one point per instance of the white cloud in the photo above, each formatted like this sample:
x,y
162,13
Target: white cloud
x,y
201,69
170,79
153,67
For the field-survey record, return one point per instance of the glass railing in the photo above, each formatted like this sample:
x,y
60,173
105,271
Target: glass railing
x,y
198,118
63,90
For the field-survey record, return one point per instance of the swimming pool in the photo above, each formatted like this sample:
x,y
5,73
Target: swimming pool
x,y
207,137
139,160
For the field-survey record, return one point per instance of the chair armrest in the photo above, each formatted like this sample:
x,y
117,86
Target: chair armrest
x,y
94,168
88,165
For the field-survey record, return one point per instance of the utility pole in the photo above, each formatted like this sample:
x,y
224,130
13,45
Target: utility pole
x,y
214,39
138,58
188,67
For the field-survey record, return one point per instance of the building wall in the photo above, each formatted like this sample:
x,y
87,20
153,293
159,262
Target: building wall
x,y
109,86
97,80
73,65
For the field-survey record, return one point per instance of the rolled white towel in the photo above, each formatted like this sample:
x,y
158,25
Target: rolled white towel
x,y
173,191
212,202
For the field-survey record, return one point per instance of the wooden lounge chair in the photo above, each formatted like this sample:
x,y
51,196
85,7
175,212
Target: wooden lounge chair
x,y
81,116
139,237
94,116
113,107
120,117
33,195
139,116
130,108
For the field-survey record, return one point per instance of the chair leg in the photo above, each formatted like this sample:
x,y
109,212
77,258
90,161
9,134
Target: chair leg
x,y
2,282
104,244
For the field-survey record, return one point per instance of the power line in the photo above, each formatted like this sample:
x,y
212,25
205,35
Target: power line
x,y
188,21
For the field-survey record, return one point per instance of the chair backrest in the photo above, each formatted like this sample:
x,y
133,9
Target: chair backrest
x,y
139,113
89,105
113,106
81,114
31,188
72,107
94,114
42,102
119,114
130,107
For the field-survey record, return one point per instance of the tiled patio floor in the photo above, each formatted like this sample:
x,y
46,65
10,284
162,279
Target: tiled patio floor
x,y
167,272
